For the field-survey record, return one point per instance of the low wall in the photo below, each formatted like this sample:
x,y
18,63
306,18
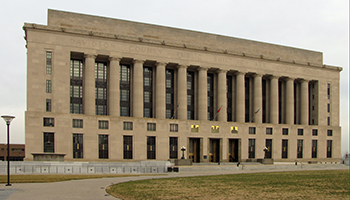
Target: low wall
x,y
38,167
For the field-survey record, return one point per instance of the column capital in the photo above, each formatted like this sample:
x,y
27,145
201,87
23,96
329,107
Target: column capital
x,y
274,77
135,61
202,68
161,63
90,56
181,66
222,71
257,75
240,73
304,80
114,59
290,79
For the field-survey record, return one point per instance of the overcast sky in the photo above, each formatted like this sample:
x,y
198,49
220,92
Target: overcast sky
x,y
320,25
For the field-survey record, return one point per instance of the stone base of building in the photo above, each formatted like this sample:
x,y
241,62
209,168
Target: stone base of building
x,y
48,156
266,161
183,162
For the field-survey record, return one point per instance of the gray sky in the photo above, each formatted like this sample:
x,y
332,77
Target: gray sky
x,y
320,25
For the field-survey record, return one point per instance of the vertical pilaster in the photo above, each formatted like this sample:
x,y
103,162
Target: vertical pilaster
x,y
258,98
160,91
240,103
290,101
202,94
222,96
113,93
274,100
304,105
138,89
182,92
89,85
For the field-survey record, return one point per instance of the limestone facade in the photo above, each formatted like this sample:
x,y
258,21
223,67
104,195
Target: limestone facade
x,y
171,88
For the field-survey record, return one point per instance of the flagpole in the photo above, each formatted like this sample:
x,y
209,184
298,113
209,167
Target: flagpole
x,y
256,112
217,112
175,111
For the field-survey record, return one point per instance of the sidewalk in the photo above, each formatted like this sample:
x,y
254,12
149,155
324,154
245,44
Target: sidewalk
x,y
95,188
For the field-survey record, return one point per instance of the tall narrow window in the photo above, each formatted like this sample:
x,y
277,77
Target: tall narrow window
x,y
173,148
103,146
264,101
329,132
328,107
48,62
229,98
101,88
190,95
49,143
247,98
210,90
300,149
76,86
328,90
314,132
280,101
329,148
78,148
300,131
268,145
48,105
252,130
147,92
328,121
314,149
251,150
169,75
284,148
127,140
125,90
48,86
151,147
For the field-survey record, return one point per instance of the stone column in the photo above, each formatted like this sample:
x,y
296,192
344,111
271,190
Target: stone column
x,y
258,98
274,100
304,104
290,101
202,94
89,85
240,100
222,96
182,92
138,89
113,87
160,91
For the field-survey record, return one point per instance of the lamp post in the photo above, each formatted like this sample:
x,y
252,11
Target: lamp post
x,y
8,120
183,149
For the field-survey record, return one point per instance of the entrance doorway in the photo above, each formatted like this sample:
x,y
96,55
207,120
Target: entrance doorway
x,y
194,151
233,150
214,153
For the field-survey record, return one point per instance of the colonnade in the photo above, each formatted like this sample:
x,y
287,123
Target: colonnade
x,y
181,97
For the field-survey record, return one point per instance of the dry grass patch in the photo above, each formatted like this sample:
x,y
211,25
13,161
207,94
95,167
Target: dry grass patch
x,y
278,185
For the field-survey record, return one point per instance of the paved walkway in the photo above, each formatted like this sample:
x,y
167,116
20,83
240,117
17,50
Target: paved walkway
x,y
94,189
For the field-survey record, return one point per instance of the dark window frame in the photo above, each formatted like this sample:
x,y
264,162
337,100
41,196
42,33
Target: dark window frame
x,y
78,145
48,86
49,122
285,131
103,151
101,88
300,131
329,132
210,96
148,92
48,62
49,142
252,130
151,147
251,148
173,147
170,93
77,123
103,124
173,127
229,98
128,126
314,132
48,105
151,126
269,131
124,90
76,86
190,95
128,147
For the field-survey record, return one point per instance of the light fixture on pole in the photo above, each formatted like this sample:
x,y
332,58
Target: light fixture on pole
x,y
8,120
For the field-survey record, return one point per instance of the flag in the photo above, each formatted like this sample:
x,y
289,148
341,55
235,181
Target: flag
x,y
256,112
217,112
175,111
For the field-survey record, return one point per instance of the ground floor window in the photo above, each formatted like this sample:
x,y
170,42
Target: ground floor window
x,y
268,145
151,147
314,149
300,149
329,148
251,148
49,142
103,146
127,147
284,148
173,148
78,145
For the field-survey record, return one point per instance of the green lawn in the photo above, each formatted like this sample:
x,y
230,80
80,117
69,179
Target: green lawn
x,y
277,185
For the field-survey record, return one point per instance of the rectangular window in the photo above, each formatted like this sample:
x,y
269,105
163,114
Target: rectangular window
x,y
124,90
268,145
49,143
328,90
148,92
151,126
251,150
251,130
210,94
48,86
78,146
329,148
314,149
268,131
328,107
76,86
48,62
127,126
314,132
127,140
102,124
229,98
151,147
173,148
284,131
300,131
328,121
190,95
284,148
174,127
329,132
103,146
77,123
300,149
49,122
169,83
48,105
101,88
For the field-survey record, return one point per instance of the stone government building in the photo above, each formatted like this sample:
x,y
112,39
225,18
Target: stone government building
x,y
102,89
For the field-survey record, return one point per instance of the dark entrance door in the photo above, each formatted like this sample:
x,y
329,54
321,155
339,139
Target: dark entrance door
x,y
269,148
194,152
214,154
233,150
